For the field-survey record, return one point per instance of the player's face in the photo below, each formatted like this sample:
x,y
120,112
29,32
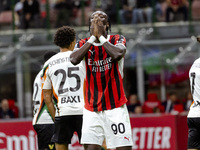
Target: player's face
x,y
99,16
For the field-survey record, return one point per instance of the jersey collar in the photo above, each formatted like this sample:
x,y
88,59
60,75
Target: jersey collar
x,y
99,44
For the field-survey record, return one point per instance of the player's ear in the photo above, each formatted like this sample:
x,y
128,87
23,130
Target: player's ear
x,y
107,26
73,43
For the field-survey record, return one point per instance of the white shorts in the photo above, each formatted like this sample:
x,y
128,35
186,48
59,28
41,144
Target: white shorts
x,y
112,125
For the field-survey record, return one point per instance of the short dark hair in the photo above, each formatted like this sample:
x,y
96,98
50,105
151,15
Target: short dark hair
x,y
64,36
48,54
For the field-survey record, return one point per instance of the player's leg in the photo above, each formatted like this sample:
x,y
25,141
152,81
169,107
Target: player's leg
x,y
44,135
63,132
92,130
61,146
92,147
124,148
117,129
193,133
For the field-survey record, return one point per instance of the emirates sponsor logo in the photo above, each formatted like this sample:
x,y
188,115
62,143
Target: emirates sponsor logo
x,y
98,63
21,142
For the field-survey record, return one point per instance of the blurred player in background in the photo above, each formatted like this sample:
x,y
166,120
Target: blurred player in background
x,y
66,81
42,120
193,118
105,114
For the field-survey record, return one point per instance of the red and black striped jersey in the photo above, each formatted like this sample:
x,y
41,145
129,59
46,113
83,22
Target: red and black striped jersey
x,y
104,76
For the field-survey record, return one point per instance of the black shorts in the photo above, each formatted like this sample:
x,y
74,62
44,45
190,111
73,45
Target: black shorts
x,y
193,133
65,126
44,135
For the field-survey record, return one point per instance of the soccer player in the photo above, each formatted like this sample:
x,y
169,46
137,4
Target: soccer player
x,y
42,120
105,113
66,81
193,118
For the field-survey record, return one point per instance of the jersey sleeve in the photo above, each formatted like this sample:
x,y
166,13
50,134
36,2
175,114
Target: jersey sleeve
x,y
77,45
80,43
45,77
120,40
47,83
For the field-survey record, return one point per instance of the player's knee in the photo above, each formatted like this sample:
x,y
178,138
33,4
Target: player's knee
x,y
92,147
124,148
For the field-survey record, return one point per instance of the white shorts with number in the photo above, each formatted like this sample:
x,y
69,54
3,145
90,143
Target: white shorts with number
x,y
112,125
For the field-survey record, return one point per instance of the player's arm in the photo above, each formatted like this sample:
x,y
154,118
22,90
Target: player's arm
x,y
49,102
79,53
48,92
115,51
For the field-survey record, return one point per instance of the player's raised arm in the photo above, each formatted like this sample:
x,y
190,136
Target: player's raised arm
x,y
115,51
101,25
79,53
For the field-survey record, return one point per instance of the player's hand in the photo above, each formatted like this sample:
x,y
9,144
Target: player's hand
x,y
98,26
93,27
96,32
101,28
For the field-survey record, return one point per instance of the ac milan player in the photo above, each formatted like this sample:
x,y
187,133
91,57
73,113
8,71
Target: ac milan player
x,y
105,114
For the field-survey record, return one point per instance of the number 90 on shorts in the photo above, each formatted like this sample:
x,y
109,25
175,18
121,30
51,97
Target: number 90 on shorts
x,y
112,125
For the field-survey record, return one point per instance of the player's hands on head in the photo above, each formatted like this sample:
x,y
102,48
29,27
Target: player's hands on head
x,y
101,28
98,26
96,32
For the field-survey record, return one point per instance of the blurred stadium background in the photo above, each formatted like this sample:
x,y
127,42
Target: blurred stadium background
x,y
159,55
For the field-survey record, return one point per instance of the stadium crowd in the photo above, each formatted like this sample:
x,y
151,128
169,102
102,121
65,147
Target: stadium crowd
x,y
32,13
152,104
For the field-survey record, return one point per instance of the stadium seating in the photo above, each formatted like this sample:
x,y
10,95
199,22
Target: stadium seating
x,y
13,107
151,103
